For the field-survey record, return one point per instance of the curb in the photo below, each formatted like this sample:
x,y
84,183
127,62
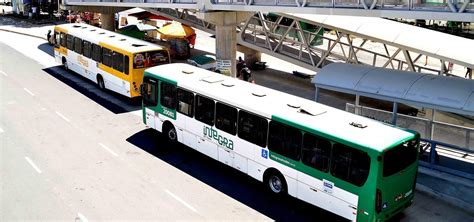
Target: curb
x,y
22,33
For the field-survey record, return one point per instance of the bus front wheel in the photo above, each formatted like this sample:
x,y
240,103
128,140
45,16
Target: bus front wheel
x,y
100,82
275,182
170,133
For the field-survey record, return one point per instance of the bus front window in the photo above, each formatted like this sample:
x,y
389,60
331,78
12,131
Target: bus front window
x,y
400,157
149,59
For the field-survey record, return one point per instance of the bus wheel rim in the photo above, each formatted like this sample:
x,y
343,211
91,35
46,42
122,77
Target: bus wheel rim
x,y
172,134
275,184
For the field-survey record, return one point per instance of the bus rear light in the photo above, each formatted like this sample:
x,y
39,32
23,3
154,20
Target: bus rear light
x,y
378,201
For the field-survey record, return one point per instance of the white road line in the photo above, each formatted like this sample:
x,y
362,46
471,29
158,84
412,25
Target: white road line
x,y
1,130
29,92
3,73
108,149
180,200
32,164
82,217
62,116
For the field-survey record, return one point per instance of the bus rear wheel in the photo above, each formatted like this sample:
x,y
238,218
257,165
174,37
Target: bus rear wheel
x,y
276,182
66,67
100,82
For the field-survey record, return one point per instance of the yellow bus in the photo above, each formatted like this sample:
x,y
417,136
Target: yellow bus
x,y
115,62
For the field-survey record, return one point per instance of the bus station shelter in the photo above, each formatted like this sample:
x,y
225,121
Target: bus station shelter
x,y
438,98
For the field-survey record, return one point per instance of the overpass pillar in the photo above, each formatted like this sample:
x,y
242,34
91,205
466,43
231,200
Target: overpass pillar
x,y
107,14
108,21
226,38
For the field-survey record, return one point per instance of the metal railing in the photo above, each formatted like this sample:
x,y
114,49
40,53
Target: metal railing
x,y
445,147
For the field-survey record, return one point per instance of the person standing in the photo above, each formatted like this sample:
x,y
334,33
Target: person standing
x,y
239,66
468,73
245,73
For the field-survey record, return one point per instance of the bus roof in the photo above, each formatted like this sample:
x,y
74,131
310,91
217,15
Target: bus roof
x,y
296,111
97,35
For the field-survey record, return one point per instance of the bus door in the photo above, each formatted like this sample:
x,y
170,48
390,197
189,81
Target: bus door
x,y
149,93
185,117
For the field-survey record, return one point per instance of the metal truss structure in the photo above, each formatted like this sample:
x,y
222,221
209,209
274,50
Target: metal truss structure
x,y
452,10
283,36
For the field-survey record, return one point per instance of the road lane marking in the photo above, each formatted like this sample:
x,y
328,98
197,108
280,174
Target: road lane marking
x,y
1,130
33,164
180,200
108,149
29,92
3,73
62,116
82,217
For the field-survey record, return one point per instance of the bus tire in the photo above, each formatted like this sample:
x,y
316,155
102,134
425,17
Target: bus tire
x,y
100,82
66,67
275,181
170,132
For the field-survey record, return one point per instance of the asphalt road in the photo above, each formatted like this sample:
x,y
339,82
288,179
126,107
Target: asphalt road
x,y
72,152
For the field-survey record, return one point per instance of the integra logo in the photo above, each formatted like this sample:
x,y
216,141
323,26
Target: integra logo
x,y
211,133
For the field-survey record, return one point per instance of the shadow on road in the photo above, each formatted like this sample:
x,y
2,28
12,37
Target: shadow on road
x,y
47,48
114,102
229,181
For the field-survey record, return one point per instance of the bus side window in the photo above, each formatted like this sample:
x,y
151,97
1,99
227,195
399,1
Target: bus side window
x,y
107,57
78,45
86,50
253,128
126,64
168,95
226,118
70,42
149,92
96,53
316,152
185,102
284,140
117,62
205,110
63,39
350,164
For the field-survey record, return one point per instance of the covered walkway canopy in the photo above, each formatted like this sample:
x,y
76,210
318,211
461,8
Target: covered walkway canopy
x,y
450,94
413,38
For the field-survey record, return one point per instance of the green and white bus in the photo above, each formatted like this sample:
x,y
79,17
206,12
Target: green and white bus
x,y
355,167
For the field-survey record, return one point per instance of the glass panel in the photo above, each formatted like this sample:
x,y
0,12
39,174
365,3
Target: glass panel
x,y
126,66
284,140
107,57
226,118
253,128
316,152
185,102
149,92
168,95
118,61
400,157
350,164
205,110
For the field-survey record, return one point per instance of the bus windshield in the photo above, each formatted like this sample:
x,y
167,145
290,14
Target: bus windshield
x,y
400,157
149,59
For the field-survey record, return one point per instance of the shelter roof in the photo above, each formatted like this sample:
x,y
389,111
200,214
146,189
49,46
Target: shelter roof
x,y
451,94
